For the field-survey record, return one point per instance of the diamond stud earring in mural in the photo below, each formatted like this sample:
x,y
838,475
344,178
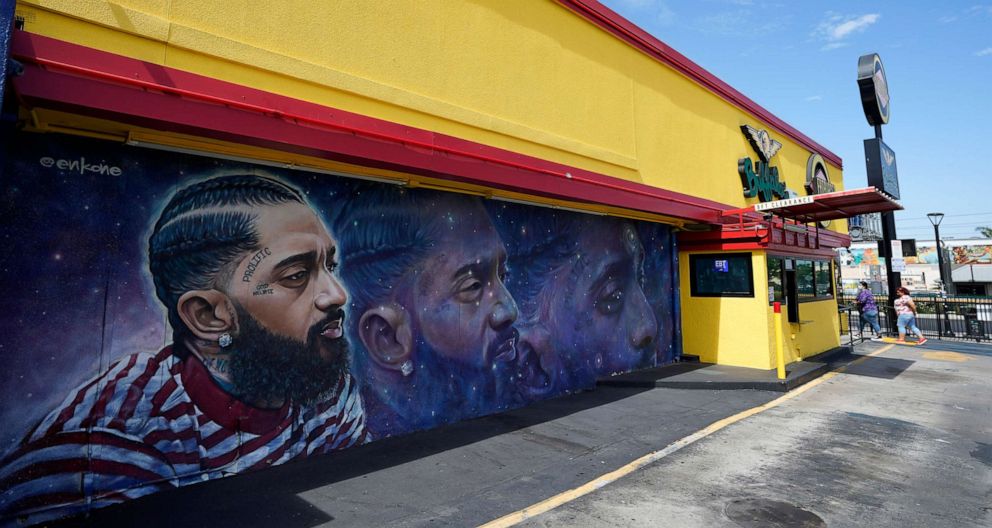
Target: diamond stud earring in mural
x,y
407,367
225,340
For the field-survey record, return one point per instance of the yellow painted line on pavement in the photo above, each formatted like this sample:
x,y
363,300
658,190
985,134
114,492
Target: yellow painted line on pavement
x,y
572,494
941,355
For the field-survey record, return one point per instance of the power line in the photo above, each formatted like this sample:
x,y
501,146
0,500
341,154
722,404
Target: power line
x,y
942,226
923,218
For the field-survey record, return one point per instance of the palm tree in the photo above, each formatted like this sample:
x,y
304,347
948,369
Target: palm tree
x,y
985,231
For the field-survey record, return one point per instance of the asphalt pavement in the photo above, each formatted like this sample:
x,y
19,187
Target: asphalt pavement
x,y
902,439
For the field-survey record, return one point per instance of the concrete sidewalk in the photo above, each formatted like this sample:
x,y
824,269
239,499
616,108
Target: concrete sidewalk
x,y
709,376
718,377
695,375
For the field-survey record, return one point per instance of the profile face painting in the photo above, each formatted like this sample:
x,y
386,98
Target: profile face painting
x,y
228,318
257,374
585,312
434,319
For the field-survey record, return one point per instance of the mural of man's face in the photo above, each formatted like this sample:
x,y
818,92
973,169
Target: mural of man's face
x,y
289,304
598,307
460,303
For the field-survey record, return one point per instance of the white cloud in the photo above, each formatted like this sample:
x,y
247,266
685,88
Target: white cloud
x,y
984,52
836,28
639,4
814,98
858,24
634,3
833,45
663,14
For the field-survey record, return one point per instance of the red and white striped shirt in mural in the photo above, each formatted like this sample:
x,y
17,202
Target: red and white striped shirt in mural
x,y
153,422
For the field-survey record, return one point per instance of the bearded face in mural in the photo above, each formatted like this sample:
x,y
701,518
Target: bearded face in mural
x,y
245,270
578,280
433,317
268,324
599,301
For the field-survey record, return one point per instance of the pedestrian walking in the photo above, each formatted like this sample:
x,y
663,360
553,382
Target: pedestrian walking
x,y
906,316
868,309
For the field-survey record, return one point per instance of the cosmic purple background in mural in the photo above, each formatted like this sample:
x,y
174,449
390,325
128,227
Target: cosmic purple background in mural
x,y
539,302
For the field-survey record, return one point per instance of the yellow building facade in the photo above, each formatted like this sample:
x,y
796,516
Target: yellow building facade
x,y
543,79
290,228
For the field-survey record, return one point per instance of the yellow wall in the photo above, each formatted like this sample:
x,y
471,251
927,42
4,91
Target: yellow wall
x,y
740,331
727,330
819,332
525,75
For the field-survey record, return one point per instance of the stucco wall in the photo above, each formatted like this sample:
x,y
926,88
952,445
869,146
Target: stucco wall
x,y
528,76
727,330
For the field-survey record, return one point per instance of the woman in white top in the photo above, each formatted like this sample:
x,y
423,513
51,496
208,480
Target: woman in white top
x,y
906,316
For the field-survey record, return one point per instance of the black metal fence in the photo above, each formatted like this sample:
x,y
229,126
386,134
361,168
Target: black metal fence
x,y
956,317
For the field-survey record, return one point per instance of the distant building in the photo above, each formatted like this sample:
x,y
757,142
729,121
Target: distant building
x,y
866,228
970,262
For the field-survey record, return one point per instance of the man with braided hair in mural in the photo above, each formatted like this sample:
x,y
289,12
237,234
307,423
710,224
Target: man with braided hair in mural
x,y
579,283
432,321
257,375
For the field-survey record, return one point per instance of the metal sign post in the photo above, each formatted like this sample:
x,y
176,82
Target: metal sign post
x,y
880,160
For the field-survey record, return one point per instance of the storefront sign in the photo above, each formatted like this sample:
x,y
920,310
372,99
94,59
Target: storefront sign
x,y
880,162
788,202
818,179
874,89
896,249
758,177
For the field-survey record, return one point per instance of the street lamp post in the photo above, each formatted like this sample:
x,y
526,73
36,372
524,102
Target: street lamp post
x,y
935,219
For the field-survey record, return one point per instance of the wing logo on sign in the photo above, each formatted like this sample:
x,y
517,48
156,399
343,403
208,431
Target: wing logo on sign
x,y
763,144
888,156
759,177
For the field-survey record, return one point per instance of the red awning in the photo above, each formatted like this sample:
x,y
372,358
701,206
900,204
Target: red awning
x,y
830,206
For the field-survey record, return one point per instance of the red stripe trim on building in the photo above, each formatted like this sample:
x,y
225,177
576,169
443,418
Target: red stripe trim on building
x,y
630,33
74,78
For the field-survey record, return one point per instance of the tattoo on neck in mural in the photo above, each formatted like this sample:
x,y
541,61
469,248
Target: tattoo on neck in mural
x,y
253,263
218,366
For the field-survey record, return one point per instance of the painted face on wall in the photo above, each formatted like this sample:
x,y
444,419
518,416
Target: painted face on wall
x,y
463,309
598,310
289,285
289,339
539,370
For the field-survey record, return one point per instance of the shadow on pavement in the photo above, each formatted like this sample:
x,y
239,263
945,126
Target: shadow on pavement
x,y
270,497
963,347
875,367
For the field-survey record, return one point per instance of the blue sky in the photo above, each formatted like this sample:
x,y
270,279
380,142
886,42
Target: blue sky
x,y
799,61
